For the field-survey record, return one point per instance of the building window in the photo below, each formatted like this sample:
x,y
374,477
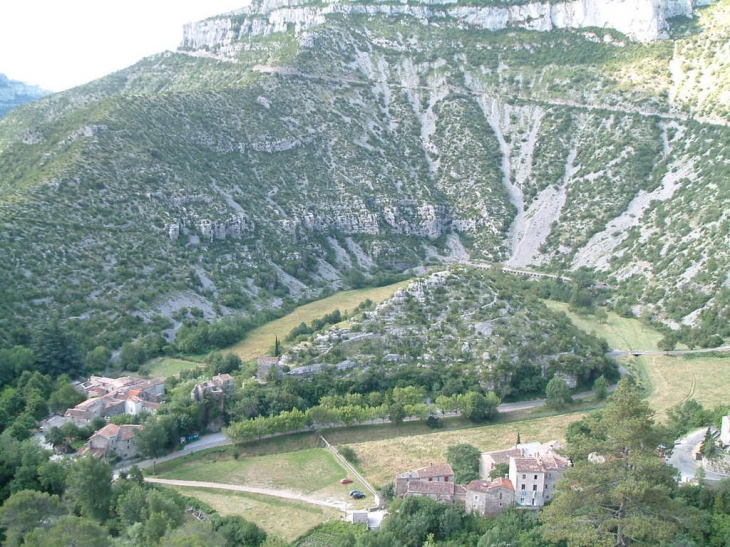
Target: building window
x,y
522,501
500,496
532,502
535,477
476,497
523,487
500,504
446,479
534,488
524,476
430,479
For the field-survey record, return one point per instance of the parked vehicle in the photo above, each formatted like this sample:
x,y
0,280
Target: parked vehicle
x,y
345,481
356,494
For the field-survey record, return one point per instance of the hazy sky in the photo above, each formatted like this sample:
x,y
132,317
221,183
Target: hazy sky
x,y
59,44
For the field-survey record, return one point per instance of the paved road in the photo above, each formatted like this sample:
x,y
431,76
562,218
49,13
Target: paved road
x,y
333,504
637,352
207,441
682,458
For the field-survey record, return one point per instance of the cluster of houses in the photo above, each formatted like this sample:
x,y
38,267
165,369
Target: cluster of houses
x,y
534,469
108,397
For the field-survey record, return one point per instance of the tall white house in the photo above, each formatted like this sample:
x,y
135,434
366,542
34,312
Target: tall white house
x,y
534,469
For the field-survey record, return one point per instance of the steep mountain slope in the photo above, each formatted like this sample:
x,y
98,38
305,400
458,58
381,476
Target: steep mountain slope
x,y
284,147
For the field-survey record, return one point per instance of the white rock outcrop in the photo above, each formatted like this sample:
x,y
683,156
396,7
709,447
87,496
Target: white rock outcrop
x,y
640,20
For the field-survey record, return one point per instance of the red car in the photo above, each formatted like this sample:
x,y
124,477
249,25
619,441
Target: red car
x,y
345,481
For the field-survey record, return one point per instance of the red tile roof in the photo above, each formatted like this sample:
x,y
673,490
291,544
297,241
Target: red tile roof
x,y
108,431
438,488
486,486
503,456
541,465
128,431
439,470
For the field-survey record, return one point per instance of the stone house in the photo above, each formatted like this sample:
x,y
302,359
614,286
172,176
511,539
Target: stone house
x,y
97,386
489,460
119,440
264,365
447,492
489,497
535,478
216,387
441,473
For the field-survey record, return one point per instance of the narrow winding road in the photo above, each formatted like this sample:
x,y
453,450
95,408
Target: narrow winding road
x,y
682,458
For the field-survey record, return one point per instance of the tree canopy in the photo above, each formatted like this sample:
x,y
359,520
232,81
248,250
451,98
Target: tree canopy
x,y
464,460
620,491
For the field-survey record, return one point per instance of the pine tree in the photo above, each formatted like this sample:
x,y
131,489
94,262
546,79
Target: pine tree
x,y
627,498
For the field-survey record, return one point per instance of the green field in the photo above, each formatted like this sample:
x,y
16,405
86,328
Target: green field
x,y
670,379
620,332
290,463
311,472
164,367
306,471
259,341
283,518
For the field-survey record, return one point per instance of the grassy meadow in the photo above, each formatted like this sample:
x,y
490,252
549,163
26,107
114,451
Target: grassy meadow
x,y
305,471
620,332
165,366
265,511
380,460
260,340
670,379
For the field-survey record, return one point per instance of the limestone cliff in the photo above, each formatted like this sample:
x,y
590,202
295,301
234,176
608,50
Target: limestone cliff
x,y
640,20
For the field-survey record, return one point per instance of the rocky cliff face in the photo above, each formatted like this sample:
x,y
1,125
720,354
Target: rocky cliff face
x,y
640,20
14,93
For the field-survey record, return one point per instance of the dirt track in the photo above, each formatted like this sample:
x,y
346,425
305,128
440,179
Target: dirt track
x,y
339,505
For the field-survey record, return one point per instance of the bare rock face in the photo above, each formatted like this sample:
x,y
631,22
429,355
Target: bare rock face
x,y
235,227
640,20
